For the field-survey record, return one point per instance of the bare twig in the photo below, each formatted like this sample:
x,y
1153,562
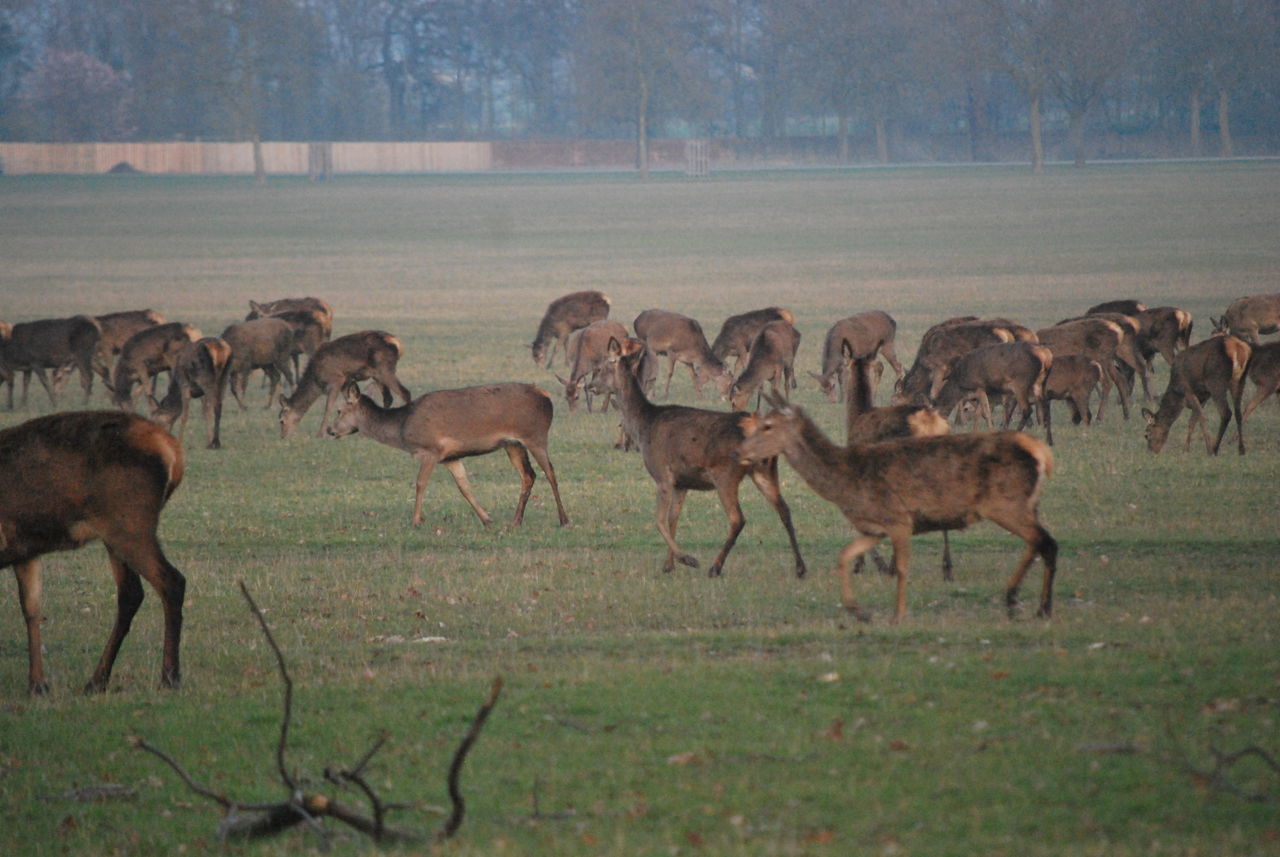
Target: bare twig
x,y
455,768
288,691
1217,777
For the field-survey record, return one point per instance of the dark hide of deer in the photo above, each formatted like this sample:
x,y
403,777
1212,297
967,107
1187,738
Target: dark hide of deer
x,y
680,339
898,488
739,331
367,355
1072,378
941,345
260,309
1097,339
447,426
49,344
772,358
69,478
1015,369
117,327
1126,306
6,374
1129,352
144,355
199,372
1264,372
1163,330
262,343
1212,369
1249,317
868,333
564,315
691,449
588,354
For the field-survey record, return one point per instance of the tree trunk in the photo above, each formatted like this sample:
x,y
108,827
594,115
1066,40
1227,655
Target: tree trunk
x,y
1226,148
842,138
259,162
882,140
1037,141
1075,129
1196,146
642,131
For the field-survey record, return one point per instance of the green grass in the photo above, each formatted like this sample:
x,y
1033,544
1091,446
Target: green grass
x,y
648,713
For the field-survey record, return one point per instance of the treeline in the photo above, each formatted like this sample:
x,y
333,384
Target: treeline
x,y
885,75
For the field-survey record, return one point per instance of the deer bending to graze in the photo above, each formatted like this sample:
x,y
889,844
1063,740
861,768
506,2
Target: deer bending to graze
x,y
310,318
680,339
901,487
939,347
1129,352
117,327
367,355
49,344
1127,306
691,449
262,343
1009,369
260,309
868,333
564,315
1249,317
1163,330
69,478
1072,378
1095,338
1212,369
200,371
1264,372
739,331
772,358
146,354
446,426
588,355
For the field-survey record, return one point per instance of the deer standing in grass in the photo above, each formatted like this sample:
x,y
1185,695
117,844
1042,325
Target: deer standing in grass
x,y
588,354
680,339
446,426
901,487
367,355
262,343
1249,317
772,359
867,333
69,478
199,372
50,344
1212,369
564,315
739,331
1264,372
146,354
117,327
691,449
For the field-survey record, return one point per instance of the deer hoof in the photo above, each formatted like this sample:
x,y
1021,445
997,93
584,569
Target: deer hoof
x,y
801,570
714,571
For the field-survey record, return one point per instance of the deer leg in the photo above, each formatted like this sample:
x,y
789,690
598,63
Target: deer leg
x,y
1038,541
539,454
887,352
186,412
44,382
766,481
1122,388
851,552
671,370
670,502
29,591
520,461
324,421
459,473
947,568
901,557
1259,397
136,554
239,380
727,488
426,463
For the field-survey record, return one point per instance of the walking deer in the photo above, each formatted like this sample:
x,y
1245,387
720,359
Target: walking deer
x,y
680,339
739,331
262,343
147,353
1247,318
898,488
772,358
369,354
200,371
691,449
1264,372
1212,369
447,426
588,354
69,478
49,344
868,333
564,315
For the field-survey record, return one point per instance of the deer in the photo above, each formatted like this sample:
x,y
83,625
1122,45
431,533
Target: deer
x,y
48,344
260,309
200,371
117,327
940,345
692,449
1072,378
262,343
868,333
588,353
6,374
1264,372
739,331
1095,338
73,477
1127,306
1014,369
564,315
1162,330
147,353
447,426
679,338
1249,317
898,488
772,358
310,318
368,354
1128,353
1215,369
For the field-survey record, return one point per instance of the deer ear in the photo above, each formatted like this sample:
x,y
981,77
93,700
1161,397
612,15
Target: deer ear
x,y
1148,416
351,391
614,348
846,349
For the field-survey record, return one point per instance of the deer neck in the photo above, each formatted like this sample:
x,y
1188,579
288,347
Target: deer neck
x,y
308,390
637,410
819,461
385,425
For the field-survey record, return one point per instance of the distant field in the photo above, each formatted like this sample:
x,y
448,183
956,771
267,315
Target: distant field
x,y
648,713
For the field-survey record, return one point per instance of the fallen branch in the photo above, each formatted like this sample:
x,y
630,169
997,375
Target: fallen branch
x,y
1217,777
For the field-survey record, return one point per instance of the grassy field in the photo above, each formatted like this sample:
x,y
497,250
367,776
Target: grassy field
x,y
646,713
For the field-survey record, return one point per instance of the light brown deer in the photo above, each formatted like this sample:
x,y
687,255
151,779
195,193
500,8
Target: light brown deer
x,y
739,331
49,344
588,354
144,355
1095,338
772,358
680,339
1264,372
1072,378
901,487
868,333
261,343
691,449
70,478
199,372
369,354
1212,369
447,426
1249,317
564,315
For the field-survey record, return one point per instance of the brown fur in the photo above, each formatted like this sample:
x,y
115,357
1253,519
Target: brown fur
x,y
261,343
369,354
1163,330
1015,369
588,354
564,315
1264,372
1212,369
680,339
260,309
199,372
49,344
1072,378
1095,338
1249,317
941,345
868,333
144,355
772,358
739,331
117,327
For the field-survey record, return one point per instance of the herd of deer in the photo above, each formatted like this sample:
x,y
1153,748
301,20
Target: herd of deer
x,y
69,478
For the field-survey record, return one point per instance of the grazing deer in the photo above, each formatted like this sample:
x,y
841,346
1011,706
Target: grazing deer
x,y
1212,369
901,487
69,478
1163,330
49,344
199,372
680,339
1095,338
941,344
144,355
564,315
260,309
739,331
1247,318
1072,378
1264,372
117,327
262,343
691,449
868,333
447,426
772,358
369,354
1129,352
1014,369
1127,306
588,354
310,318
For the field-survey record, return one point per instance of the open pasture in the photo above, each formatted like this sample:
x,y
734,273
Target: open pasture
x,y
648,713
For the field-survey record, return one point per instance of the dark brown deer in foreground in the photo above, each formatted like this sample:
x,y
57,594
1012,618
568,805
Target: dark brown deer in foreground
x,y
199,372
47,345
564,315
69,478
262,343
691,449
1264,372
1212,369
1249,317
739,331
679,338
773,358
367,355
868,333
588,355
901,487
446,426
144,355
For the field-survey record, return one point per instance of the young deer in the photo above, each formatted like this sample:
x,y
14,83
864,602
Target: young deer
x,y
772,359
199,372
1212,369
1010,369
691,449
588,354
681,340
447,426
901,487
739,331
868,333
564,315
369,354
1072,378
69,478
